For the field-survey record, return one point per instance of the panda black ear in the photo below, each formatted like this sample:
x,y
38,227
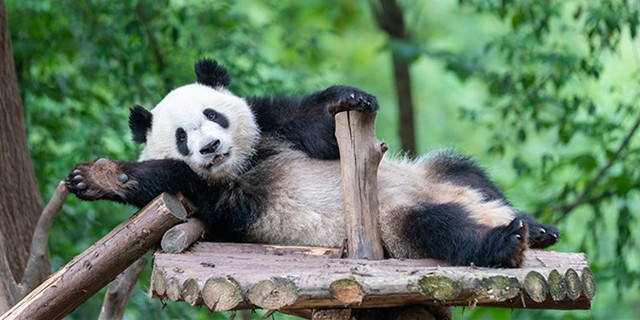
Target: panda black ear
x,y
140,123
210,73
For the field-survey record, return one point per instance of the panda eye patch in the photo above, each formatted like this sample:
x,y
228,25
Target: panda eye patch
x,y
181,141
216,117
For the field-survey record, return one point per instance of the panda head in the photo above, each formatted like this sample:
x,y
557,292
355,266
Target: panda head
x,y
204,124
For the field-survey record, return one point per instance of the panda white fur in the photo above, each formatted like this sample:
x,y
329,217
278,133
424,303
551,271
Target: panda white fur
x,y
266,169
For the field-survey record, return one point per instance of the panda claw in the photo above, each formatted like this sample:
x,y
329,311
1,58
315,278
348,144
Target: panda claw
x,y
81,186
101,160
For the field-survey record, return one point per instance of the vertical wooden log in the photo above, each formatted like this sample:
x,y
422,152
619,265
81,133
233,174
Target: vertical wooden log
x,y
94,268
360,155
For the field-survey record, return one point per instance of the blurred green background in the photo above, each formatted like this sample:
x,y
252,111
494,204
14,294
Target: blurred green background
x,y
542,93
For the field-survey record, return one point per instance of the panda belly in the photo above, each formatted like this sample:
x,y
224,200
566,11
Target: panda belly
x,y
304,206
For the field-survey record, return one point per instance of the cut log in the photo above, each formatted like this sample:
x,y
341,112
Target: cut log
x,y
181,236
94,268
360,155
319,281
221,293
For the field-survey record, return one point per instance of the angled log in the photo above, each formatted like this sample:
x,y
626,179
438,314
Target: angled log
x,y
319,281
94,268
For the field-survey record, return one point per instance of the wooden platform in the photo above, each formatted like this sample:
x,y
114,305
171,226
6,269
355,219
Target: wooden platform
x,y
227,276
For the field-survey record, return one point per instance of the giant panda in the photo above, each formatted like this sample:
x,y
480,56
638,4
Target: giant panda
x,y
266,170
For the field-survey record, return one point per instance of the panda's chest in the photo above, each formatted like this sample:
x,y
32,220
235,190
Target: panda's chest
x,y
304,202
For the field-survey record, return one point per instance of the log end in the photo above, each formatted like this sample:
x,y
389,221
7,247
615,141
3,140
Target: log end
x,y
173,290
191,291
274,293
497,288
557,285
175,206
536,286
588,283
439,287
158,282
347,291
574,284
174,240
221,293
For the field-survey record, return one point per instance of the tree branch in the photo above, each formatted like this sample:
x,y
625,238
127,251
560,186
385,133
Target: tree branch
x,y
38,254
584,197
120,291
39,242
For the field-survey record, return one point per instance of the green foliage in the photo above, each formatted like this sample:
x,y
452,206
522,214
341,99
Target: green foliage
x,y
543,92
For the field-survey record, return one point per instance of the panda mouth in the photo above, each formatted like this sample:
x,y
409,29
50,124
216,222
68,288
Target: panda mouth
x,y
217,159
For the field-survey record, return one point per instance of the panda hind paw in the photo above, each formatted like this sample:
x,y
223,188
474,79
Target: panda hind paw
x,y
542,236
504,246
349,98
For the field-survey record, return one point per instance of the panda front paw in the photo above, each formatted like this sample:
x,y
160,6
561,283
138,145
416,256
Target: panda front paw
x,y
350,98
99,179
504,246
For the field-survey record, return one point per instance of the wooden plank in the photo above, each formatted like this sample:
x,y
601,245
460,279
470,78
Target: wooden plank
x,y
310,272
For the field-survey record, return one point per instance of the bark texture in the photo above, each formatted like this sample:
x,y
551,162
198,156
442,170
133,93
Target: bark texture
x,y
94,268
20,200
250,276
360,155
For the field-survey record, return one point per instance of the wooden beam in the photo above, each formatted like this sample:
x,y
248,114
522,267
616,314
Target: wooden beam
x,y
94,268
308,274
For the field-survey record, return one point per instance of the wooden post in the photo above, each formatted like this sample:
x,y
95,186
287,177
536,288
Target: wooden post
x,y
360,155
91,270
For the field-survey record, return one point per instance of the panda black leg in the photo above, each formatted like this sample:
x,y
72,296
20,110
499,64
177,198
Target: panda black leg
x,y
134,183
504,246
445,232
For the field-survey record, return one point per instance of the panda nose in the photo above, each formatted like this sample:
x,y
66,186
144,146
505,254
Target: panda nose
x,y
211,147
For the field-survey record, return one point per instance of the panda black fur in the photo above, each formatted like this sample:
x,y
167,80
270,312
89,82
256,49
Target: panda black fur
x,y
266,169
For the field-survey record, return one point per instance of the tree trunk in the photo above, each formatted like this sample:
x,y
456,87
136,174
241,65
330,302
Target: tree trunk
x,y
390,19
20,200
406,125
